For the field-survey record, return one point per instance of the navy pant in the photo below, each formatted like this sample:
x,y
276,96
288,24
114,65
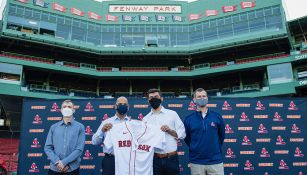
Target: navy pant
x,y
75,172
166,166
108,165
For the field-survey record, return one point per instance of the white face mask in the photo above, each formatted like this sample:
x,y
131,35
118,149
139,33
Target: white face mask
x,y
66,112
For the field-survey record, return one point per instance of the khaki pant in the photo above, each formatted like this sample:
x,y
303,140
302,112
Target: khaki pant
x,y
216,169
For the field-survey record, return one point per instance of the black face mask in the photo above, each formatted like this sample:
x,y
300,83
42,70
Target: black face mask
x,y
122,109
155,102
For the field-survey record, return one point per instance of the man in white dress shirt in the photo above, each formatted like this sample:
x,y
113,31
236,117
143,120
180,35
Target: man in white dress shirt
x,y
165,161
108,162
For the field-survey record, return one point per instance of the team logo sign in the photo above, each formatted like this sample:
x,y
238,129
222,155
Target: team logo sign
x,y
282,165
298,152
89,107
35,143
246,141
280,141
226,106
87,155
264,153
259,106
105,116
262,129
277,117
88,130
295,129
55,108
244,117
292,106
230,153
140,116
192,106
37,120
33,168
248,165
228,129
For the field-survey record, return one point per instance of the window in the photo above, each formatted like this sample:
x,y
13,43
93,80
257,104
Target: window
x,y
276,10
224,31
257,24
210,34
273,22
228,20
78,34
212,23
235,18
36,15
243,17
259,13
268,11
20,11
61,20
63,31
240,27
93,37
12,9
251,15
45,16
280,73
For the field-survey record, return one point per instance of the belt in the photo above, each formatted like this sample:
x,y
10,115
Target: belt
x,y
108,155
166,154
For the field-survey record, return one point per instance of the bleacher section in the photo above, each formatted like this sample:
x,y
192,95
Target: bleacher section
x,y
145,69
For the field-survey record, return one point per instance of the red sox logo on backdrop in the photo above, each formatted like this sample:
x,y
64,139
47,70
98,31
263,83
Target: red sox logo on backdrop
x,y
89,107
37,120
226,106
192,106
88,130
292,106
140,116
33,168
283,165
264,153
298,152
246,141
277,117
262,129
87,155
180,168
295,129
259,106
244,117
228,129
35,143
55,108
105,116
248,165
280,141
230,154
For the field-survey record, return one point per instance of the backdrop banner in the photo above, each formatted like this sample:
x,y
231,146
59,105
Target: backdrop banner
x,y
264,136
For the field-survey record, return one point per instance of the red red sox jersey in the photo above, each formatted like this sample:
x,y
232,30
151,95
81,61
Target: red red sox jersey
x,y
133,143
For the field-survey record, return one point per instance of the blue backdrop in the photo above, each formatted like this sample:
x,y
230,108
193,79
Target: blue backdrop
x,y
264,136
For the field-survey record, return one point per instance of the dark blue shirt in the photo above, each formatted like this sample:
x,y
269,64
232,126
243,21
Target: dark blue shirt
x,y
65,142
205,137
